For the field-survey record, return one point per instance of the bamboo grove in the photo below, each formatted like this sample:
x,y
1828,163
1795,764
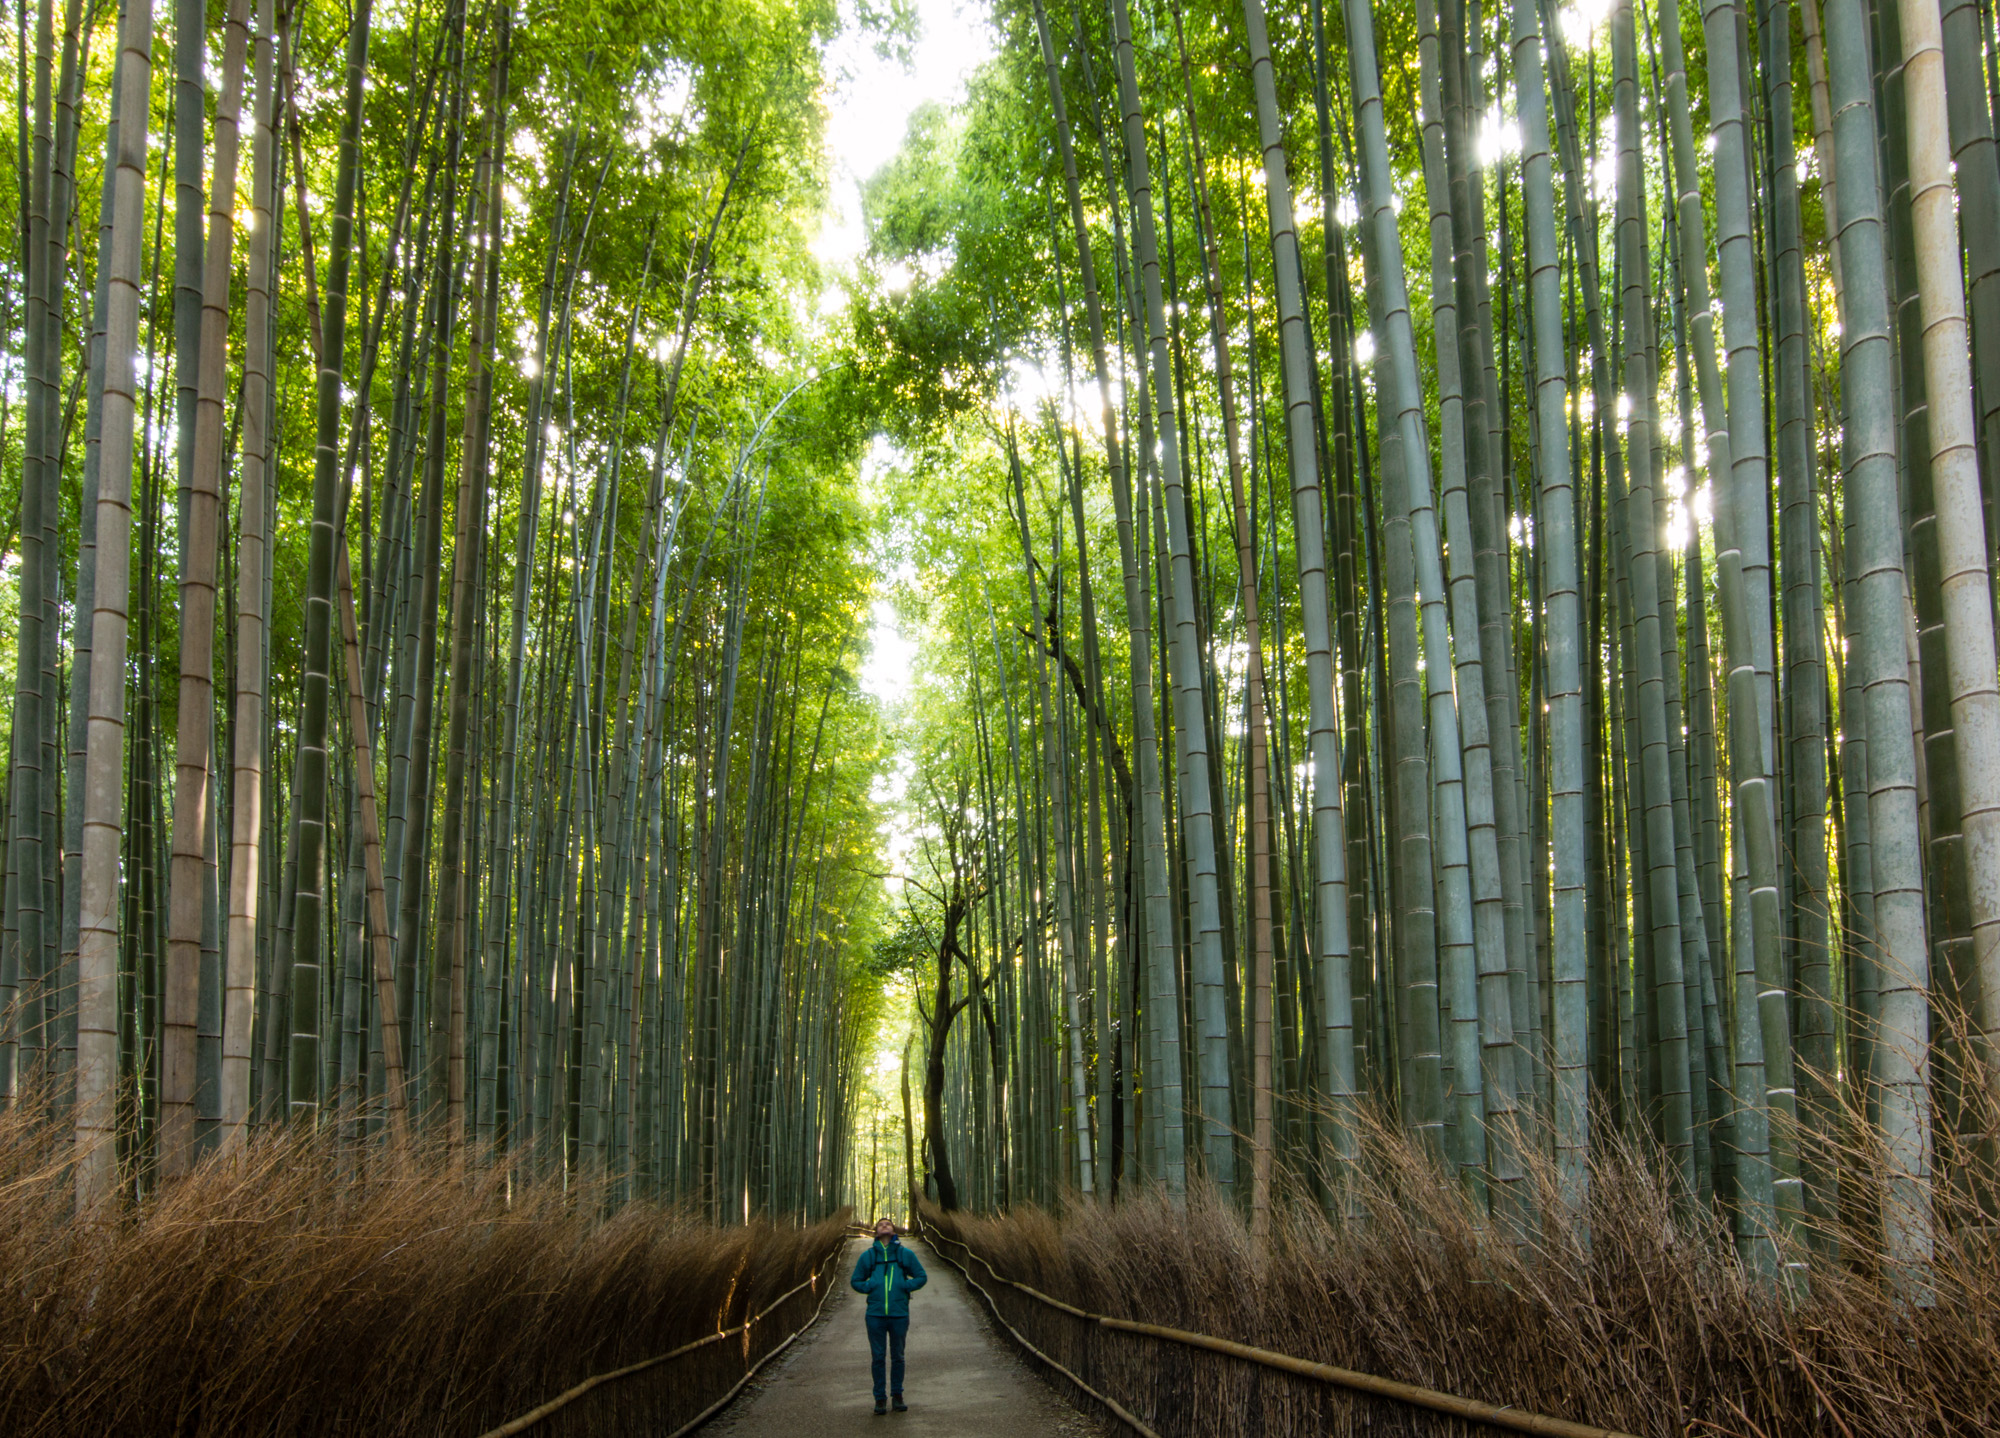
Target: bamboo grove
x,y
1456,550
439,579
1453,551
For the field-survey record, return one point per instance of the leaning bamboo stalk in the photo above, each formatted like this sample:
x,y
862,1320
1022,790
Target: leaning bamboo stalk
x,y
1358,794
1696,819
193,823
1257,759
1633,518
1461,64
1960,528
1494,1001
1822,118
1190,700
1976,172
1754,916
187,116
1331,941
381,947
1741,495
1055,782
1895,983
1165,1079
1743,531
1657,971
1401,394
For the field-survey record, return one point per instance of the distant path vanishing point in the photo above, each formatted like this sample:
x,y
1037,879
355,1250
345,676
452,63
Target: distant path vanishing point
x,y
964,1379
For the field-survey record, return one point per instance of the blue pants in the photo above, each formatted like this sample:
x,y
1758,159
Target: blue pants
x,y
889,1332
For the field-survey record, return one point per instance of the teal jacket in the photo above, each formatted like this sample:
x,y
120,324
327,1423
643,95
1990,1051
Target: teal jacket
x,y
888,1273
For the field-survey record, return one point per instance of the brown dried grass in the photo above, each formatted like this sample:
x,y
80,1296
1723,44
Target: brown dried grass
x,y
1649,1327
303,1291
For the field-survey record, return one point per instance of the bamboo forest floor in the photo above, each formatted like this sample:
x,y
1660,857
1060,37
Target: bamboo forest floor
x,y
964,1377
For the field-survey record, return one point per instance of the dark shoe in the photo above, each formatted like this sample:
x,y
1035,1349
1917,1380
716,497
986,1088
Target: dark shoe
x,y
880,1406
896,1402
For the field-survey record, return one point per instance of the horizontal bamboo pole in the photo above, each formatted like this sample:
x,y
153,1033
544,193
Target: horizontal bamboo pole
x,y
1130,1419
1470,1409
535,1415
751,1372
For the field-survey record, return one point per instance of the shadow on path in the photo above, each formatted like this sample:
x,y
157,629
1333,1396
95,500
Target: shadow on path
x,y
964,1379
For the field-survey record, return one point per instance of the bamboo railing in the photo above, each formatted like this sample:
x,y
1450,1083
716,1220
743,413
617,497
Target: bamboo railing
x,y
1469,1409
819,1280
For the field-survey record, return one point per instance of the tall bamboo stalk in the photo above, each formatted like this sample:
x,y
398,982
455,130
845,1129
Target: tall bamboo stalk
x,y
188,884
1896,979
1961,521
103,798
1555,557
1330,937
1190,699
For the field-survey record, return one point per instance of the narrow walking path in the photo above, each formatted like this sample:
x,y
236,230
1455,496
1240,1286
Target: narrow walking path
x,y
963,1376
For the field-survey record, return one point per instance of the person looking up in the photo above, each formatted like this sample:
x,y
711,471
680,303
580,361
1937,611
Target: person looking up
x,y
888,1273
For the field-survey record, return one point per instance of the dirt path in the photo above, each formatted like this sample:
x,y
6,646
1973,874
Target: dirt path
x,y
964,1378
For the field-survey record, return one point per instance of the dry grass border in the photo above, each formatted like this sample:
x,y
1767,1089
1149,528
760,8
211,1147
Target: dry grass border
x,y
1651,1327
304,1292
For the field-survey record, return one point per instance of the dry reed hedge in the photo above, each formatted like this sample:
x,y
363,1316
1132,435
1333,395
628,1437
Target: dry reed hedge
x,y
301,1293
1650,1328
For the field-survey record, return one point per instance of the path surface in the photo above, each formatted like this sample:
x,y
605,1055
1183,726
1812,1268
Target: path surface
x,y
964,1378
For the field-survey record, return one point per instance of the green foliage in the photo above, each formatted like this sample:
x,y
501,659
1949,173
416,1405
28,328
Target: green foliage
x,y
903,949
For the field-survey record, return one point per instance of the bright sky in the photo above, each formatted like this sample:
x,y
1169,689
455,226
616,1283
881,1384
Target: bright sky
x,y
886,671
867,116
873,98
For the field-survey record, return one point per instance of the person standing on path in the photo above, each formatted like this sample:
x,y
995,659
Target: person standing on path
x,y
888,1273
